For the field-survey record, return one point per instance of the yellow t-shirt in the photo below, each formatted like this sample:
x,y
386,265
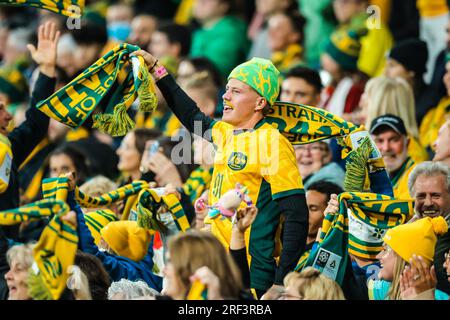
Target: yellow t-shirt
x,y
400,180
6,157
433,121
262,160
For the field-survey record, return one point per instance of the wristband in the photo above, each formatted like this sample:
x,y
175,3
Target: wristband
x,y
160,71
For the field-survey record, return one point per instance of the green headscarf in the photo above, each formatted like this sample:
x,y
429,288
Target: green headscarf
x,y
261,75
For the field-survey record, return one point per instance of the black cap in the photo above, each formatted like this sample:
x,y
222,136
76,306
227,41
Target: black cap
x,y
412,54
388,120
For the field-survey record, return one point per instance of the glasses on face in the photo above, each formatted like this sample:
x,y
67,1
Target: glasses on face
x,y
310,148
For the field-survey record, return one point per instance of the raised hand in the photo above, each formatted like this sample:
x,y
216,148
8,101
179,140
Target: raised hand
x,y
245,217
45,53
417,278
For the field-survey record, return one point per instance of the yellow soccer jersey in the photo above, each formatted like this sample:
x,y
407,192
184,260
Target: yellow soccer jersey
x,y
263,160
400,180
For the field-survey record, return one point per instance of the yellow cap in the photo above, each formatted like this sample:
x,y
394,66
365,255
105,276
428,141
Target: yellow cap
x,y
418,237
97,220
127,239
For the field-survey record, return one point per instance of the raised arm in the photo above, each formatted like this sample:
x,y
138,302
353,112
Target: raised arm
x,y
25,137
178,101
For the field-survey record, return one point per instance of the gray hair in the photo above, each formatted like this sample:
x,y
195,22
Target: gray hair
x,y
429,169
22,253
131,289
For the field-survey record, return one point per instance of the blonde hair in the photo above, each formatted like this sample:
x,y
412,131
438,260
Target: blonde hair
x,y
98,186
313,285
391,96
192,250
23,253
394,289
202,81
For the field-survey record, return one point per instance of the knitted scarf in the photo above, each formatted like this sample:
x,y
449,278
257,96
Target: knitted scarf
x,y
108,86
58,6
198,181
55,250
302,124
381,212
148,205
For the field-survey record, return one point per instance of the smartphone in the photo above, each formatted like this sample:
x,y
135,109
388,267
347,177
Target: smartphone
x,y
154,147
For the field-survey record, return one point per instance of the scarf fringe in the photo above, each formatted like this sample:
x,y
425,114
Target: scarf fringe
x,y
116,124
146,92
147,220
355,175
36,287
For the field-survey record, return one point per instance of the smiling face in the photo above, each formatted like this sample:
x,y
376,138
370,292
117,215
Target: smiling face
x,y
241,103
129,156
387,259
5,118
16,280
311,157
432,196
393,147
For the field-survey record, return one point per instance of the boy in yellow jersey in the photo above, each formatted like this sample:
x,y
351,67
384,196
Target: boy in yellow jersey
x,y
255,154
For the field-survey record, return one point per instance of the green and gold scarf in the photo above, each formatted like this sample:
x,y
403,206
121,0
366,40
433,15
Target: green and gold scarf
x,y
100,87
197,183
55,250
379,212
64,7
53,254
148,205
302,124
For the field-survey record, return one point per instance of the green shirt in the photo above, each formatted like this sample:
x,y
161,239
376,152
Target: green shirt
x,y
225,44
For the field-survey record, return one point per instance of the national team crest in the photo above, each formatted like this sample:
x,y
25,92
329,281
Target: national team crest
x,y
237,161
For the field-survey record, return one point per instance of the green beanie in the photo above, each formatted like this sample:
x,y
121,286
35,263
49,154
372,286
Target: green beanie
x,y
344,47
261,75
13,84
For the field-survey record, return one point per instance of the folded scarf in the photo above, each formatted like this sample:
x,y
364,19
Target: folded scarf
x,y
380,212
58,6
100,87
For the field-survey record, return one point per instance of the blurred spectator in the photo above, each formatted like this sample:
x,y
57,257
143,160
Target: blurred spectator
x,y
170,43
391,138
340,59
118,19
383,96
286,37
314,163
303,86
434,16
142,28
376,38
221,35
408,60
20,259
258,31
442,144
320,23
68,159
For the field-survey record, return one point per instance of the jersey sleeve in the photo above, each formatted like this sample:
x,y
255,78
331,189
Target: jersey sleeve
x,y
5,164
280,168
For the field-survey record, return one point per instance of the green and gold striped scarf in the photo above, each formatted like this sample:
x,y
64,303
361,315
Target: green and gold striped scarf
x,y
53,254
302,124
100,87
55,250
64,7
197,183
148,205
380,212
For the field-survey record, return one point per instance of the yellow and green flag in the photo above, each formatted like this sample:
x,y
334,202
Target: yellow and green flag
x,y
69,8
109,87
302,124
